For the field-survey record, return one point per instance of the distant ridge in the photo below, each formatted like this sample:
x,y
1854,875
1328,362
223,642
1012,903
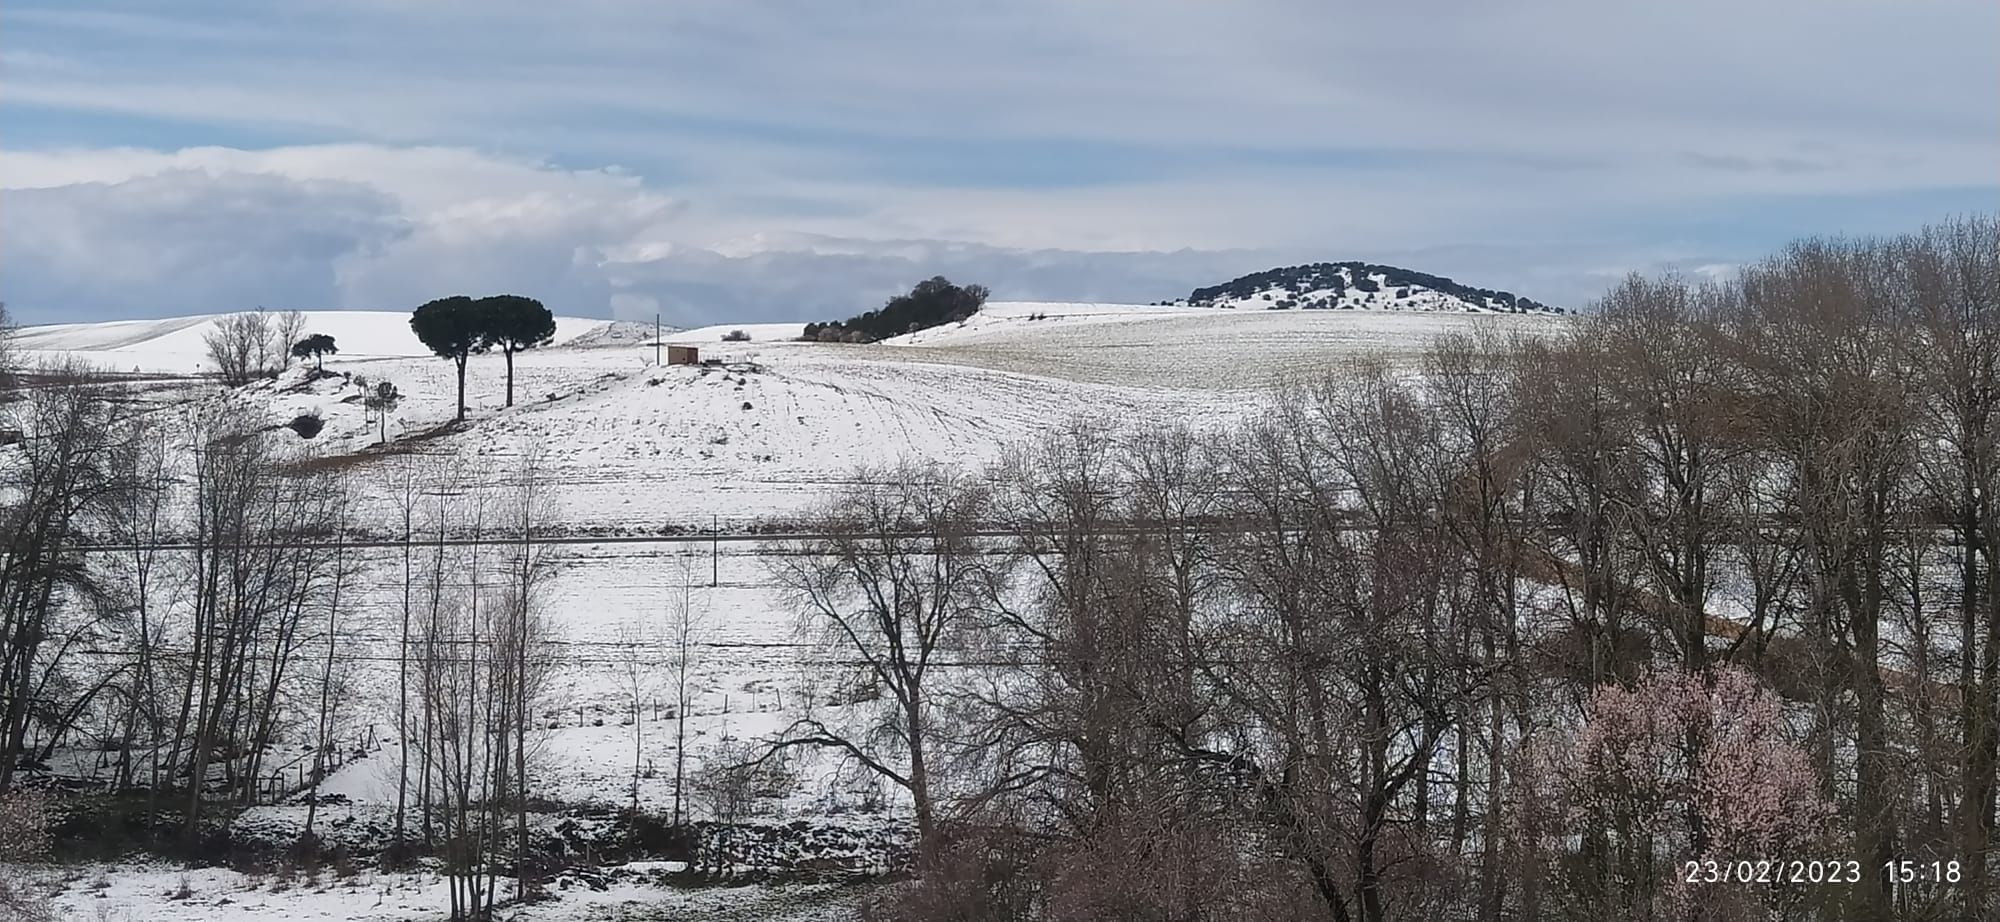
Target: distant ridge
x,y
1360,286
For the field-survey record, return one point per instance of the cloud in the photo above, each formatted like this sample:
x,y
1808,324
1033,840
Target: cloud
x,y
130,232
181,241
726,160
732,88
122,233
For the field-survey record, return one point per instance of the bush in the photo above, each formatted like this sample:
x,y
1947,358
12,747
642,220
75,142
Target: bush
x,y
735,336
24,837
306,425
24,826
986,877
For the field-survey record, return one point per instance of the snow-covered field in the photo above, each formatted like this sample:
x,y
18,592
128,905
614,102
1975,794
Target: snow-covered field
x,y
633,448
163,893
639,447
1203,350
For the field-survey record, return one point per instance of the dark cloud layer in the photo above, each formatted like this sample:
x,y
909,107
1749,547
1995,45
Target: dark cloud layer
x,y
184,242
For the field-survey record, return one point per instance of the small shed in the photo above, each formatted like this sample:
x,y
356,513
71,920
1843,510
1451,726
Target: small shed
x,y
683,355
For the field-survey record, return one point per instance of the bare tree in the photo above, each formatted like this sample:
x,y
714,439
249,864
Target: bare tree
x,y
261,561
139,517
528,563
480,667
405,482
1822,350
634,673
243,346
334,679
288,328
1345,653
1952,273
65,472
686,629
891,585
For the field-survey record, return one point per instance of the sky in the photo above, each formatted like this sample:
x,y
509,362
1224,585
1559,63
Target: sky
x,y
721,160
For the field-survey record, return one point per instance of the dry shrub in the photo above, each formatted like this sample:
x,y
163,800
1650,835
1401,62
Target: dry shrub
x,y
983,875
24,838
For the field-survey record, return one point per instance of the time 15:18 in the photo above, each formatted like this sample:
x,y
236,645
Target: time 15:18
x,y
1931,872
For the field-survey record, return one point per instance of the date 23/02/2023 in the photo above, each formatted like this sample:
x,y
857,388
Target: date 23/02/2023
x,y
1818,871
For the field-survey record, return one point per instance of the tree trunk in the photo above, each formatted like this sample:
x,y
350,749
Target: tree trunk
x,y
920,784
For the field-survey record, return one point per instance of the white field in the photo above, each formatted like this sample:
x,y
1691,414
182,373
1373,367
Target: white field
x,y
154,893
630,447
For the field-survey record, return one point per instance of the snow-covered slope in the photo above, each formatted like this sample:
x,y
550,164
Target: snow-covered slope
x,y
1183,348
630,448
636,446
176,344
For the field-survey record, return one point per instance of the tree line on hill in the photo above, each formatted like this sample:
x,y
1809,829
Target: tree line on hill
x,y
930,303
1688,611
249,345
252,344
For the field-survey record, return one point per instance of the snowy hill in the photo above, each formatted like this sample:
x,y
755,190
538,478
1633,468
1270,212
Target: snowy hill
x,y
176,344
631,447
1359,286
1184,348
635,445
640,461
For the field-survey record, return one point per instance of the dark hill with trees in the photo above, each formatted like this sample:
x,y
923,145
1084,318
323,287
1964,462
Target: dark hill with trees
x,y
1349,285
932,302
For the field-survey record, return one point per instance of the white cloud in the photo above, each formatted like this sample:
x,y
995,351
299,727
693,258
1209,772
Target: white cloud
x,y
730,159
1845,81
127,232
628,306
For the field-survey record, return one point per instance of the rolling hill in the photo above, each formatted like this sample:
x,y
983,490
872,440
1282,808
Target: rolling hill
x,y
641,461
1360,286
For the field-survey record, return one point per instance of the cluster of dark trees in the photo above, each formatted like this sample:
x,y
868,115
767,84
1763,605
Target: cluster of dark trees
x,y
932,302
1360,276
1582,627
459,327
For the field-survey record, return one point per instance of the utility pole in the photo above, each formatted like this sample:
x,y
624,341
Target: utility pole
x,y
656,338
715,551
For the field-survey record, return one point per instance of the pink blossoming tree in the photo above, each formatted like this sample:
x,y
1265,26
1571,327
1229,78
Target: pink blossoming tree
x,y
1679,767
